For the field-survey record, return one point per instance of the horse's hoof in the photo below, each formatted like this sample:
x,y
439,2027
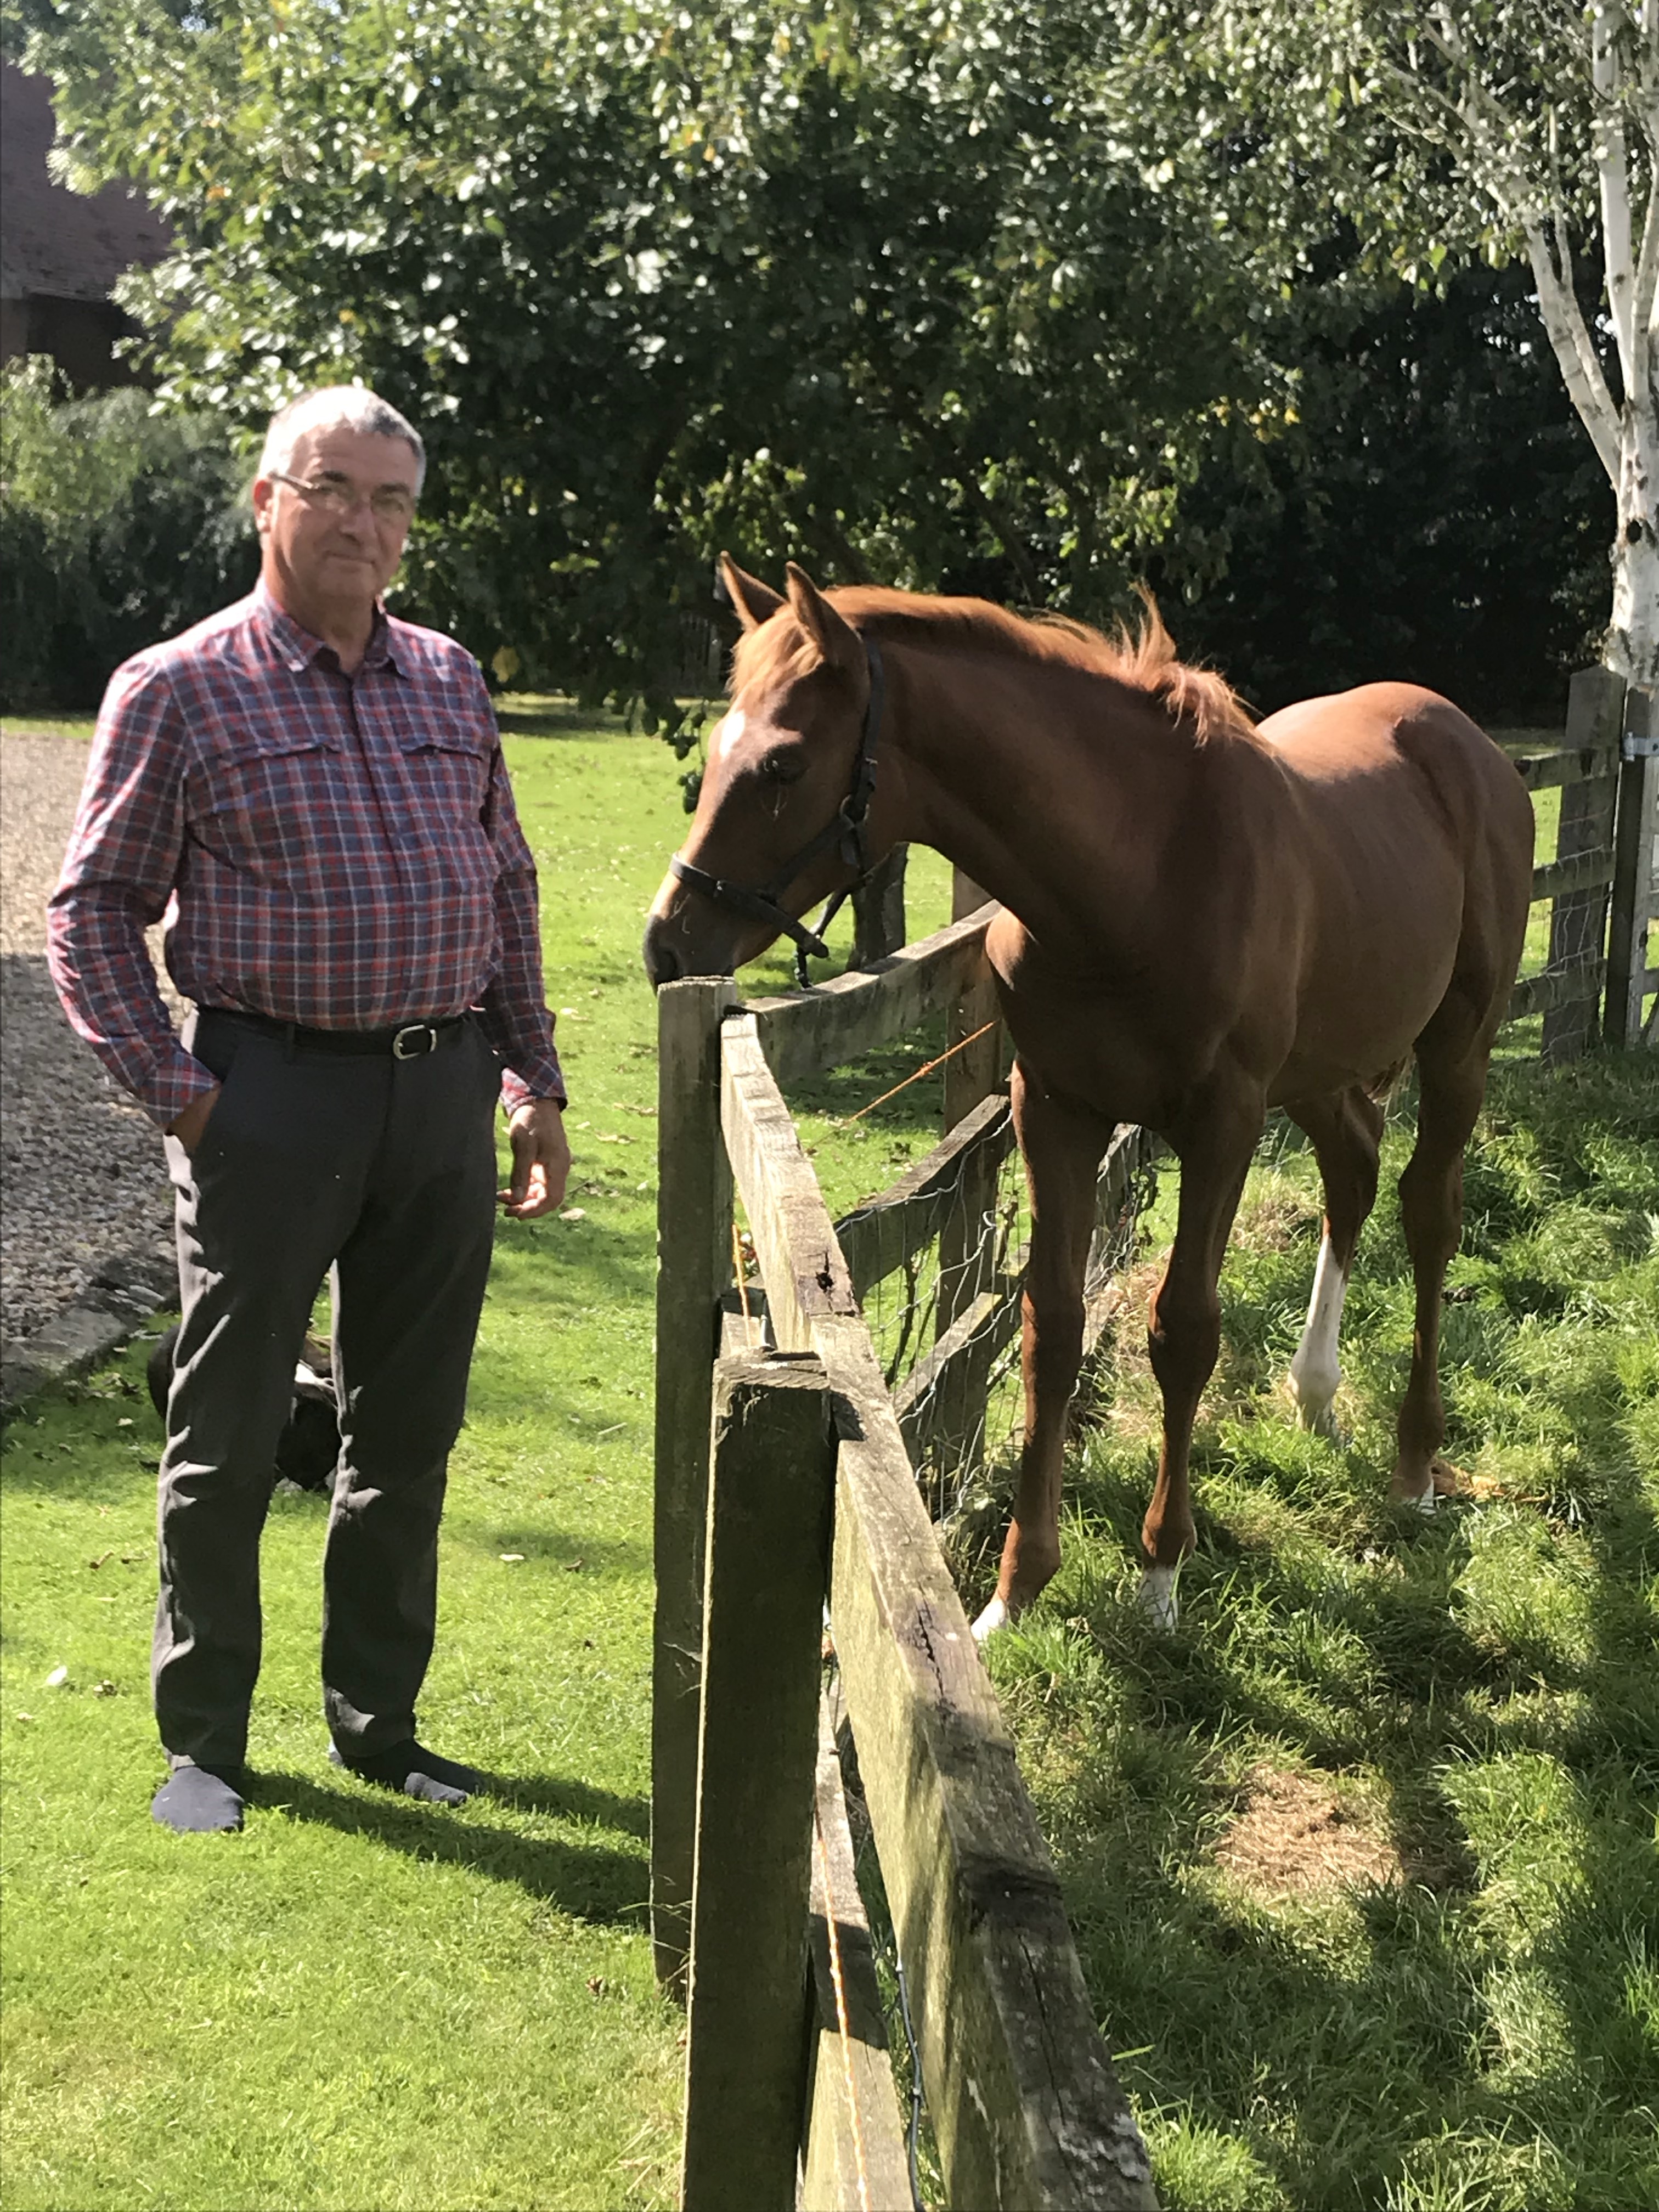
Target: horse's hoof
x,y
996,1615
1158,1596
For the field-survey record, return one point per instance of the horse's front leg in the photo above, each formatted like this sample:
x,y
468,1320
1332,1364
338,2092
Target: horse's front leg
x,y
1062,1144
1183,1328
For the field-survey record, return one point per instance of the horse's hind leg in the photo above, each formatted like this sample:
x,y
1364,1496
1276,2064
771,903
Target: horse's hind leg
x,y
1062,1147
1451,1083
1346,1128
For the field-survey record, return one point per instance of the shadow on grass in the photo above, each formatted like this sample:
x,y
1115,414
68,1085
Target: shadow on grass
x,y
589,1882
1481,2030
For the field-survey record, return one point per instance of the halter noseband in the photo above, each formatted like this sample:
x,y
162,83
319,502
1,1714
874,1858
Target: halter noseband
x,y
761,903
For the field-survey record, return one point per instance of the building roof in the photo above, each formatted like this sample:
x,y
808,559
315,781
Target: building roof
x,y
56,244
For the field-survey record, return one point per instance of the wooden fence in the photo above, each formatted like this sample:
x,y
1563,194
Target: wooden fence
x,y
786,1475
1601,883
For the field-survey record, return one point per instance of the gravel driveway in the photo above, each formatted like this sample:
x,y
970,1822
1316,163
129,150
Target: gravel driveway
x,y
84,1179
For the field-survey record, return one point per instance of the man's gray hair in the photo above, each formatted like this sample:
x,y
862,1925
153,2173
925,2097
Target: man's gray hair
x,y
335,407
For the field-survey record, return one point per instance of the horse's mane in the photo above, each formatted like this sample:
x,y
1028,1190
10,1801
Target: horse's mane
x,y
1144,659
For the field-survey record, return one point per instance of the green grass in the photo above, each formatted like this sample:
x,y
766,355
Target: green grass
x,y
358,2003
1478,2025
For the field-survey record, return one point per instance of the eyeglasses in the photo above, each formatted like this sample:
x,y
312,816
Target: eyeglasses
x,y
387,503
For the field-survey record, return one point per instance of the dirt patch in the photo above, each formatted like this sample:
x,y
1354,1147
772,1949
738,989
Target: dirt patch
x,y
1295,1838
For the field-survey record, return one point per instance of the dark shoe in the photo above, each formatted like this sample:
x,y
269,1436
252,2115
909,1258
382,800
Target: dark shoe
x,y
201,1801
415,1771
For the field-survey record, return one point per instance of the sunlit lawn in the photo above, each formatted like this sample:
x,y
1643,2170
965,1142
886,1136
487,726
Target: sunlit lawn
x,y
358,2003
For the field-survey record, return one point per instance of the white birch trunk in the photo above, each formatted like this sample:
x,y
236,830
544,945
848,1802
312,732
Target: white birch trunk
x,y
1633,644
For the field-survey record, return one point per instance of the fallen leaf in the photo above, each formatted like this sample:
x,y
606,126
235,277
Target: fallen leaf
x,y
573,1214
104,1690
58,1677
512,1559
25,1717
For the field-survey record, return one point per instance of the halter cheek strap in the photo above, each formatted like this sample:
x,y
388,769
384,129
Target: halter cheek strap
x,y
762,901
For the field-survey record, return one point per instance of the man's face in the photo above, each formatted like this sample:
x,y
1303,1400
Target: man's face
x,y
338,542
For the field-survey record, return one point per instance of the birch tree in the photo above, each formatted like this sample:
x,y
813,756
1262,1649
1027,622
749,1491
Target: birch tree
x,y
1511,128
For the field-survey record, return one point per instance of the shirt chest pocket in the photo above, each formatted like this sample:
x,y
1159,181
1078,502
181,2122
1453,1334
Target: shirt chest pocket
x,y
260,800
448,765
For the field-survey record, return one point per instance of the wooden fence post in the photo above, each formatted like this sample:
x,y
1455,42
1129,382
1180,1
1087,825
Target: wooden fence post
x,y
694,1261
1595,703
967,1252
1635,875
771,1492
877,903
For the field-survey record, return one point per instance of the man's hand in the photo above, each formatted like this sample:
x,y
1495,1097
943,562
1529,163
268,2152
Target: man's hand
x,y
190,1127
541,1161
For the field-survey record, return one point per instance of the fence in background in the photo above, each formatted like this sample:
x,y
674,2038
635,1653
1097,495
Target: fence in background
x,y
1603,884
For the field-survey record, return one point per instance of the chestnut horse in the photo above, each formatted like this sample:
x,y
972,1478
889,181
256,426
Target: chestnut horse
x,y
1201,920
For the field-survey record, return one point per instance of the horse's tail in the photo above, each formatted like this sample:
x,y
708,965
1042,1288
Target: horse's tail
x,y
1385,1087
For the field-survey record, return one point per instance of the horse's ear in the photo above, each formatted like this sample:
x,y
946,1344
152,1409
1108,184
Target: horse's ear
x,y
833,637
753,600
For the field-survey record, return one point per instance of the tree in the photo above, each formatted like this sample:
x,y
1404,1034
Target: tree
x,y
1502,128
913,292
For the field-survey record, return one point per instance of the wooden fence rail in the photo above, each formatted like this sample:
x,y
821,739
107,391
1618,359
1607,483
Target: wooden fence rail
x,y
1025,2108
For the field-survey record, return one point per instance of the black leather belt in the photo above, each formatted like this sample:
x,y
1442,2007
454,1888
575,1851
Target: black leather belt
x,y
407,1041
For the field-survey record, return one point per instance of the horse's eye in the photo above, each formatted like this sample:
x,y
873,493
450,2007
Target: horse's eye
x,y
783,766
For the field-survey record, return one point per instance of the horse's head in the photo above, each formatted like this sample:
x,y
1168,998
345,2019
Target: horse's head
x,y
783,820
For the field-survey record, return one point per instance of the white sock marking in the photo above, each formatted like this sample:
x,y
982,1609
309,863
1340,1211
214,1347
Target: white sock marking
x,y
1317,1370
1157,1596
995,1616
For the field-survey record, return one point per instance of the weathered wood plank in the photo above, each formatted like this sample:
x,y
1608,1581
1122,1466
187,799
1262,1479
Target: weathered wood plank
x,y
1551,988
967,1244
694,1259
768,1562
940,1403
877,904
1578,871
1596,714
1026,2109
801,1262
805,1031
1581,764
854,2157
878,1237
1632,904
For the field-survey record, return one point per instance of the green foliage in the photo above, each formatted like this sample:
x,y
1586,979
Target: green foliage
x,y
118,525
1432,512
905,292
933,294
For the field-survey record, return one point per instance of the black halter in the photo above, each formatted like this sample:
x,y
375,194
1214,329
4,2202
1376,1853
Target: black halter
x,y
762,904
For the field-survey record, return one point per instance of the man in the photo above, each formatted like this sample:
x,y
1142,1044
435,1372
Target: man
x,y
315,794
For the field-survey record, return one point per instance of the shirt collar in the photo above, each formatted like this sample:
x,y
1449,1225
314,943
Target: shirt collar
x,y
297,648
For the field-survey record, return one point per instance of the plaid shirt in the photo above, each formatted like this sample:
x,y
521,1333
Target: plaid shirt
x,y
337,851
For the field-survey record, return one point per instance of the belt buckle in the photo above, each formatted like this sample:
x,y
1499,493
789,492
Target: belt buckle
x,y
403,1049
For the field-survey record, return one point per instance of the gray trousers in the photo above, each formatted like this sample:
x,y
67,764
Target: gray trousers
x,y
380,1174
